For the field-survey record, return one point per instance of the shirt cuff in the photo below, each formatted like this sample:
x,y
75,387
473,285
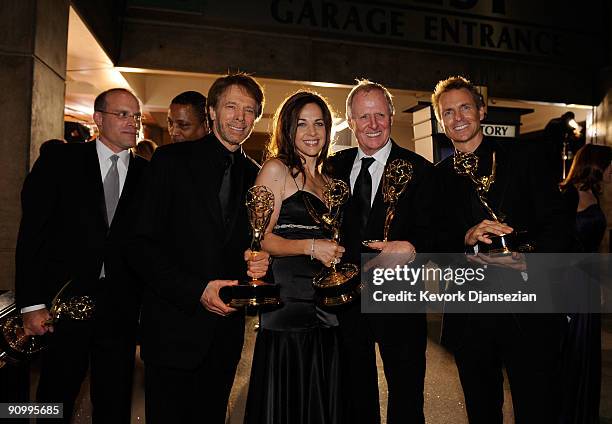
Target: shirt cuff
x,y
33,308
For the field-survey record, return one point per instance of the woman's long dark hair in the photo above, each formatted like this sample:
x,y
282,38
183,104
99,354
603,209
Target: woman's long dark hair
x,y
282,141
588,168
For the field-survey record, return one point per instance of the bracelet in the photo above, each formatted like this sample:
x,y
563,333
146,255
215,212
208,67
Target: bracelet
x,y
312,249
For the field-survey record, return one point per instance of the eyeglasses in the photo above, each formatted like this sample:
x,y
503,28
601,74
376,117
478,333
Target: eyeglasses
x,y
124,116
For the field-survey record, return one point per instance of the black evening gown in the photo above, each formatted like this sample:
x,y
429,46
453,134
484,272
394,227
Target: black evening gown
x,y
582,350
295,371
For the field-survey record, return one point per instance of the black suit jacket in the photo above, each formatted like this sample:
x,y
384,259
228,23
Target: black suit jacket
x,y
412,215
525,195
181,243
64,232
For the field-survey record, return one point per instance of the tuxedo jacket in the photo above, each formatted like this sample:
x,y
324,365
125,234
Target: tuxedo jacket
x,y
412,221
524,195
181,243
64,234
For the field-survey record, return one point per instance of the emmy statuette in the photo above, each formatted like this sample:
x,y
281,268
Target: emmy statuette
x,y
260,205
337,284
397,175
466,164
16,346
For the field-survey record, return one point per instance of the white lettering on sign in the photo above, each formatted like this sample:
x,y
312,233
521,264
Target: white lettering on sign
x,y
499,130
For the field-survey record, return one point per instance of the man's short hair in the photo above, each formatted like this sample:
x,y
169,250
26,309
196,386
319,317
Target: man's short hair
x,y
196,100
100,102
244,81
365,85
454,83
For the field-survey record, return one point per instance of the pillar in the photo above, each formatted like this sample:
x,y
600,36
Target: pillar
x,y
33,41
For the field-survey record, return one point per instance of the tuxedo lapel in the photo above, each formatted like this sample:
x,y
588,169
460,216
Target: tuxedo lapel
x,y
379,208
93,178
343,168
201,169
377,213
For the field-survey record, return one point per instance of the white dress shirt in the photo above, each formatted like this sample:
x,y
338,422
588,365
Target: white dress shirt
x,y
104,155
376,169
104,159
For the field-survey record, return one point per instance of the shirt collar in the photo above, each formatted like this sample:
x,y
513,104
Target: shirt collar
x,y
104,153
380,156
222,150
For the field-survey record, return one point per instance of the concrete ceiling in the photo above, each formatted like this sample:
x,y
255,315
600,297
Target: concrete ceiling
x,y
90,71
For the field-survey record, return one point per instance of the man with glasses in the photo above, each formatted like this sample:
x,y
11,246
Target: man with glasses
x,y
76,205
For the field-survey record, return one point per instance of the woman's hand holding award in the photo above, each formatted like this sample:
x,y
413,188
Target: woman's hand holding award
x,y
335,285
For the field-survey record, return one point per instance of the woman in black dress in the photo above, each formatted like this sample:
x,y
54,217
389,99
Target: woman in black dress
x,y
295,371
582,350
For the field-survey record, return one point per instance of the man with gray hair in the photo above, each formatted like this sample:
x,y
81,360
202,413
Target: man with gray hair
x,y
401,338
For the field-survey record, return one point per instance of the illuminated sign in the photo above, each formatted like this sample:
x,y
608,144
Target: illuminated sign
x,y
499,130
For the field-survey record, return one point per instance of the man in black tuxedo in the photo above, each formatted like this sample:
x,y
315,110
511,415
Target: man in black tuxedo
x,y
77,203
191,241
526,195
401,338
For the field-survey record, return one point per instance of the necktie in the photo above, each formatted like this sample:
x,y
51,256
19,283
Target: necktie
x,y
362,192
111,189
225,190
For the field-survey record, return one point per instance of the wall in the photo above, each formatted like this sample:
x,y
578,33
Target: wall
x,y
520,49
33,38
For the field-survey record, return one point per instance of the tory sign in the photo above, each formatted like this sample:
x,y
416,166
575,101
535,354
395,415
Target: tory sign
x,y
499,130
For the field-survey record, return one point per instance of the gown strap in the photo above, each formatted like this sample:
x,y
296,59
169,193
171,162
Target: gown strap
x,y
296,184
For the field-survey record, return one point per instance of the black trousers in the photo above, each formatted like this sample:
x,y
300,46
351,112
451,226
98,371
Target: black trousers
x,y
531,361
402,340
108,351
190,396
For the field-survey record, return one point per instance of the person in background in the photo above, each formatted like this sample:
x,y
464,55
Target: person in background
x,y
75,132
187,117
591,168
582,188
51,142
145,149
